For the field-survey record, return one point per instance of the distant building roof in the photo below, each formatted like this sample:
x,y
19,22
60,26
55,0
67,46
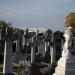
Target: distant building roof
x,y
34,29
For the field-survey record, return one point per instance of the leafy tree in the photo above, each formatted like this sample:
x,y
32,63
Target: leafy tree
x,y
4,24
70,20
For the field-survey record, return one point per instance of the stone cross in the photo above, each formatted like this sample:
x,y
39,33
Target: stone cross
x,y
7,66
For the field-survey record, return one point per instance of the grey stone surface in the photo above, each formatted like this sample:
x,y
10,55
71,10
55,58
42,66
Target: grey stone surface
x,y
33,51
66,64
7,66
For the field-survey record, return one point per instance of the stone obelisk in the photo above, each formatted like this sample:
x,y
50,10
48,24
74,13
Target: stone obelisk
x,y
66,64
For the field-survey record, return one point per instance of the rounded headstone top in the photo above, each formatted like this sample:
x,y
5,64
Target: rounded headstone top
x,y
9,33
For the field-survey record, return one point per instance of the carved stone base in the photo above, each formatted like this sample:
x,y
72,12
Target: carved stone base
x,y
66,65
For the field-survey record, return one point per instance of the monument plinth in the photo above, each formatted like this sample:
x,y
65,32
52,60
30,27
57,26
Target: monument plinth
x,y
66,64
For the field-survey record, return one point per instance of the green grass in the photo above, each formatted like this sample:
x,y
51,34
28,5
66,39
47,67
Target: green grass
x,y
16,69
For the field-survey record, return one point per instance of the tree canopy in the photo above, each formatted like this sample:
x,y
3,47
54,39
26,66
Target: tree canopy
x,y
70,20
4,24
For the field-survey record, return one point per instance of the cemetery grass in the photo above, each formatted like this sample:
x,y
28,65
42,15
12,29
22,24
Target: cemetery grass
x,y
16,69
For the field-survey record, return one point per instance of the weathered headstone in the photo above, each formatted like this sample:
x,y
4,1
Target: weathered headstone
x,y
18,37
58,39
52,51
33,51
7,66
18,45
46,45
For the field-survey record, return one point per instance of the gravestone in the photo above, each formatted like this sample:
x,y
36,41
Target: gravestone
x,y
18,35
19,40
52,51
46,45
7,66
33,51
58,43
18,45
66,64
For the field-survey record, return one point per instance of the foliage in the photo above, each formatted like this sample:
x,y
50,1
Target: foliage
x,y
70,20
4,24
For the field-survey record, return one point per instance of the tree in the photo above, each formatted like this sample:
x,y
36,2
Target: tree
x,y
70,20
4,24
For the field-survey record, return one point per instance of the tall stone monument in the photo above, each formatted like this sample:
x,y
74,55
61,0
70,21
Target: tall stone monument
x,y
66,64
52,51
33,51
7,66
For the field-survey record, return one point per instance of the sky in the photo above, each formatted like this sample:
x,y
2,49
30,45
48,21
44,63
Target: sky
x,y
36,13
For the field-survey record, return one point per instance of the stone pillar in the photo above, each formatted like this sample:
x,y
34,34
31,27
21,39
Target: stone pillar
x,y
32,51
37,33
53,51
18,45
26,35
46,45
38,49
52,55
7,66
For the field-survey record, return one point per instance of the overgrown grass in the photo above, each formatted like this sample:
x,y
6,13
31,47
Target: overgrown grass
x,y
16,69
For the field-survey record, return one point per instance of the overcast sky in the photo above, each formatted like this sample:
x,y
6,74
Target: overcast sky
x,y
36,13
